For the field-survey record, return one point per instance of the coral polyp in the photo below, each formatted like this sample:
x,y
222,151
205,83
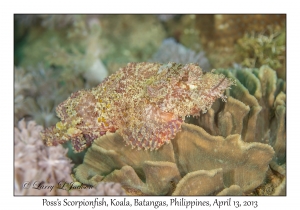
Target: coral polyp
x,y
145,102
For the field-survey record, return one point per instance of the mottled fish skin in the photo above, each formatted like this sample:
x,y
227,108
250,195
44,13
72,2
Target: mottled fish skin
x,y
145,102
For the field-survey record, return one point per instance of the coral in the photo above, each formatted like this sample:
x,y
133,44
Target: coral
x,y
229,28
22,88
239,151
81,54
58,62
243,164
146,102
22,83
170,51
148,105
255,109
36,162
194,163
255,50
37,165
41,109
38,91
219,36
210,181
184,30
74,50
275,183
232,190
59,57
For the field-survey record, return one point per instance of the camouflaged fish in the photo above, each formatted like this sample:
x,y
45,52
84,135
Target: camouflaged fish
x,y
145,102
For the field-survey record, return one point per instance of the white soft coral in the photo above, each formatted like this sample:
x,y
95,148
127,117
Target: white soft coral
x,y
34,162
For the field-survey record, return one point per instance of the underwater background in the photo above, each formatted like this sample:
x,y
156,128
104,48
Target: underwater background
x,y
236,148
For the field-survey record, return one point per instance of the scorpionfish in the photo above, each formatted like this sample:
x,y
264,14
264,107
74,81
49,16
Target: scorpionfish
x,y
146,103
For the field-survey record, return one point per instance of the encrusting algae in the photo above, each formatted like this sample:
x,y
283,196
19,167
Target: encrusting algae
x,y
146,102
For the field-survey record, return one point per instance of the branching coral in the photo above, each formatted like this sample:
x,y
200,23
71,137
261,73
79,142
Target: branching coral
x,y
147,102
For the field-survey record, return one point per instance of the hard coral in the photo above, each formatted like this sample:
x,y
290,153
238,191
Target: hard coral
x,y
146,102
194,163
255,109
